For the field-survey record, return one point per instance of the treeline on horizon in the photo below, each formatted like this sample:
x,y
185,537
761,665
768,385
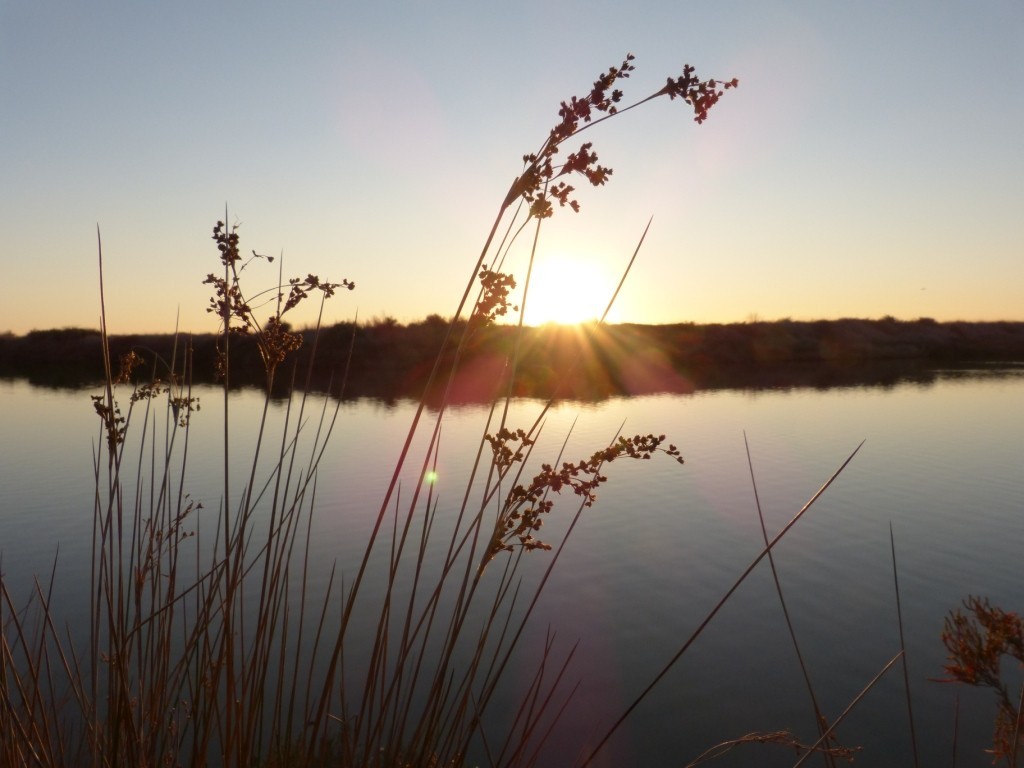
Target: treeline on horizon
x,y
389,360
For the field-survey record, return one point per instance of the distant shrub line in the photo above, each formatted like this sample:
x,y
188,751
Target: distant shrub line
x,y
390,360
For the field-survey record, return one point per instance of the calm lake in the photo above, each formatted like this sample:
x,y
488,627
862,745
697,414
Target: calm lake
x,y
942,464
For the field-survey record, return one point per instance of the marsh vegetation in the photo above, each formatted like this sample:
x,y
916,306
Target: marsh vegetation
x,y
203,645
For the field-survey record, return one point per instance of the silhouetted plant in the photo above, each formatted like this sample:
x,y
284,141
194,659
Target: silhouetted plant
x,y
780,738
977,639
219,662
494,298
522,513
539,182
274,338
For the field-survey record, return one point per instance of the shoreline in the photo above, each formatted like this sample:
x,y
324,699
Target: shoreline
x,y
586,362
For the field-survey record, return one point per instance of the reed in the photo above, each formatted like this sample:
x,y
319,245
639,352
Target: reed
x,y
205,644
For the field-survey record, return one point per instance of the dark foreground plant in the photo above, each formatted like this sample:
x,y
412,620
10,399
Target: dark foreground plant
x,y
977,639
273,338
204,646
458,682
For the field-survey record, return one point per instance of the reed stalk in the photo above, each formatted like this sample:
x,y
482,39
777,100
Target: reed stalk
x,y
205,644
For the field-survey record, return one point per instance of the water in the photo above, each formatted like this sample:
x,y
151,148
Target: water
x,y
941,464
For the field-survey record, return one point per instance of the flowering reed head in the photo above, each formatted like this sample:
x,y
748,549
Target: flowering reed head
x,y
522,513
977,641
274,338
539,183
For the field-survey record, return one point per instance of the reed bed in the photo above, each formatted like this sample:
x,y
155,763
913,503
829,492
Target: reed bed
x,y
205,645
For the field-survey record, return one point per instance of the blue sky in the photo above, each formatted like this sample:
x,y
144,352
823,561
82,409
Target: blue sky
x,y
870,162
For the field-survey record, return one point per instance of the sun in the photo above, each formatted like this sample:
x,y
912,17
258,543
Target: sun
x,y
567,290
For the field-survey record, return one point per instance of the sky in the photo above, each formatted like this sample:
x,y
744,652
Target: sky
x,y
869,164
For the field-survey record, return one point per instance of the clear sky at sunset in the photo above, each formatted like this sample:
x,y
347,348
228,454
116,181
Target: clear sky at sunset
x,y
870,163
